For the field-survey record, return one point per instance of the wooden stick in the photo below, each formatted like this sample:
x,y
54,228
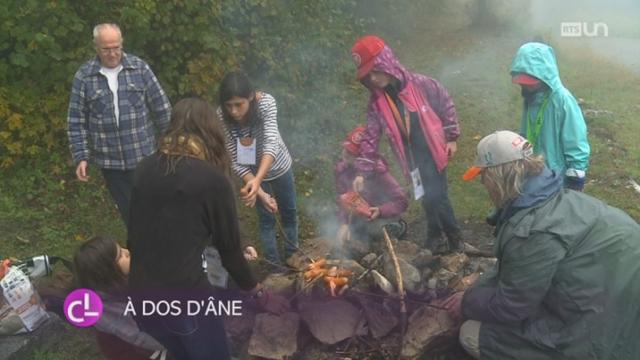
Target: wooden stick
x,y
306,286
401,292
284,235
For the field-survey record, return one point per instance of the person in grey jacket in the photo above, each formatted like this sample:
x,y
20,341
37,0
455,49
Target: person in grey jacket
x,y
566,284
103,266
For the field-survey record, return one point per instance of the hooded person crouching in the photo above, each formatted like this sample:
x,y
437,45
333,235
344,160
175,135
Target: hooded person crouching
x,y
380,202
566,282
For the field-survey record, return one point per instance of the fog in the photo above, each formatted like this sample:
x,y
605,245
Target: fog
x,y
609,29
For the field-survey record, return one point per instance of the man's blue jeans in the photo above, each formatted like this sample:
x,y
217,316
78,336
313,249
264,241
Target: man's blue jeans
x,y
284,191
119,183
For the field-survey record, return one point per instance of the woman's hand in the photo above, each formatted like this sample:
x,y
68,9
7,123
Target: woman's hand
x,y
249,192
250,253
268,201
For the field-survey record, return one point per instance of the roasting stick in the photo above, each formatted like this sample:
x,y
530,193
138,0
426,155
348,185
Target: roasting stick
x,y
306,286
288,269
284,235
396,265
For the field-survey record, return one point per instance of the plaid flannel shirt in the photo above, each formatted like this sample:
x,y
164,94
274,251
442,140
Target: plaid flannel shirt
x,y
91,122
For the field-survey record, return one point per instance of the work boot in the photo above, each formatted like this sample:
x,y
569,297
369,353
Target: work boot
x,y
456,242
437,245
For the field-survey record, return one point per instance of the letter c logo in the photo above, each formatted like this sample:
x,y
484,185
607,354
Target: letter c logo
x,y
83,307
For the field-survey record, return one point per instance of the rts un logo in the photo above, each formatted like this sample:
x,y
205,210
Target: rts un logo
x,y
579,29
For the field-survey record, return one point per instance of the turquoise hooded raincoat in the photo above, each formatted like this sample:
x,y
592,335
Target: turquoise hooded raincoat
x,y
563,134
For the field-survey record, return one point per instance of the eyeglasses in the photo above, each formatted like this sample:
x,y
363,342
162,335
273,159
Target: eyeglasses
x,y
108,50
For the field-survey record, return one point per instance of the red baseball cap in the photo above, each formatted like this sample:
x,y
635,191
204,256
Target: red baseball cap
x,y
353,140
524,79
364,53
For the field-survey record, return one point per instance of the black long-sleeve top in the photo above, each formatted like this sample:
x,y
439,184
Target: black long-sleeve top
x,y
173,217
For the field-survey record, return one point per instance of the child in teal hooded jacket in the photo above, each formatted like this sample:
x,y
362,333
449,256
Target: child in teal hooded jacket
x,y
551,119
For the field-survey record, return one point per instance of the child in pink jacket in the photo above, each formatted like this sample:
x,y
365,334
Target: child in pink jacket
x,y
380,202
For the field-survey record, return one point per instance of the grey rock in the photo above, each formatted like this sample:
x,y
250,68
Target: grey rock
x,y
332,321
275,337
280,283
379,318
426,325
410,275
454,262
368,260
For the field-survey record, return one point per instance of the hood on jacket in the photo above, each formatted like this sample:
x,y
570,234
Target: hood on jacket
x,y
388,63
538,60
535,190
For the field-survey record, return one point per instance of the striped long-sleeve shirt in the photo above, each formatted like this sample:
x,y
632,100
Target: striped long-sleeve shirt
x,y
268,140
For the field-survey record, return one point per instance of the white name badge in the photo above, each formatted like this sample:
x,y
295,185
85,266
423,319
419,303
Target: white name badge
x,y
418,190
246,149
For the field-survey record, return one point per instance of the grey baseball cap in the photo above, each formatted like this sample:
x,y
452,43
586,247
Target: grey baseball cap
x,y
496,149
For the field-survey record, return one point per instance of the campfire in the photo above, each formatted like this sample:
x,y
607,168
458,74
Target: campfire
x,y
385,305
335,279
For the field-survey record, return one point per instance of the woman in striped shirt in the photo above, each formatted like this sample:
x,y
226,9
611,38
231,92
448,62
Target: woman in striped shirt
x,y
261,159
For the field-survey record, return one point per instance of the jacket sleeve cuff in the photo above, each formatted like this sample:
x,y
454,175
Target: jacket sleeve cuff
x,y
575,173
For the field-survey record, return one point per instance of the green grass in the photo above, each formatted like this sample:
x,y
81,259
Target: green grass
x,y
44,210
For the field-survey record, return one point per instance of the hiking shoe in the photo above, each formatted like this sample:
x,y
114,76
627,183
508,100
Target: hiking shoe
x,y
397,229
456,242
437,245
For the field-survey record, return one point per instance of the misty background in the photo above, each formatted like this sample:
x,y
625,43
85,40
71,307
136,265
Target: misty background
x,y
480,38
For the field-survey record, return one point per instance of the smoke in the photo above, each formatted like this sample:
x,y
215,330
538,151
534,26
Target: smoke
x,y
610,29
467,45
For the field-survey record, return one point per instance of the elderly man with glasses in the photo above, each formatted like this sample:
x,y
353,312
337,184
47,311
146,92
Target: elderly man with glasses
x,y
115,102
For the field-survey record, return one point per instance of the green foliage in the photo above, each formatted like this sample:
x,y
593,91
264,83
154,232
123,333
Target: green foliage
x,y
189,45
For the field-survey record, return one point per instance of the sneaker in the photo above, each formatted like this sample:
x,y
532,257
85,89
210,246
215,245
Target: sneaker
x,y
456,242
397,229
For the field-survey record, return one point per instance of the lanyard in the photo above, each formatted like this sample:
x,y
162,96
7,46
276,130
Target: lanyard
x,y
404,126
534,133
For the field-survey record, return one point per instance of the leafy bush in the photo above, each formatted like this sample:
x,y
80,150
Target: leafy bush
x,y
291,48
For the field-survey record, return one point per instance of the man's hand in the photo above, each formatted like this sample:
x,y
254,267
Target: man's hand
x,y
358,184
451,148
250,253
81,171
374,213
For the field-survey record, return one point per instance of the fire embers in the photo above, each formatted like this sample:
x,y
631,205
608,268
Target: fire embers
x,y
355,204
335,279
